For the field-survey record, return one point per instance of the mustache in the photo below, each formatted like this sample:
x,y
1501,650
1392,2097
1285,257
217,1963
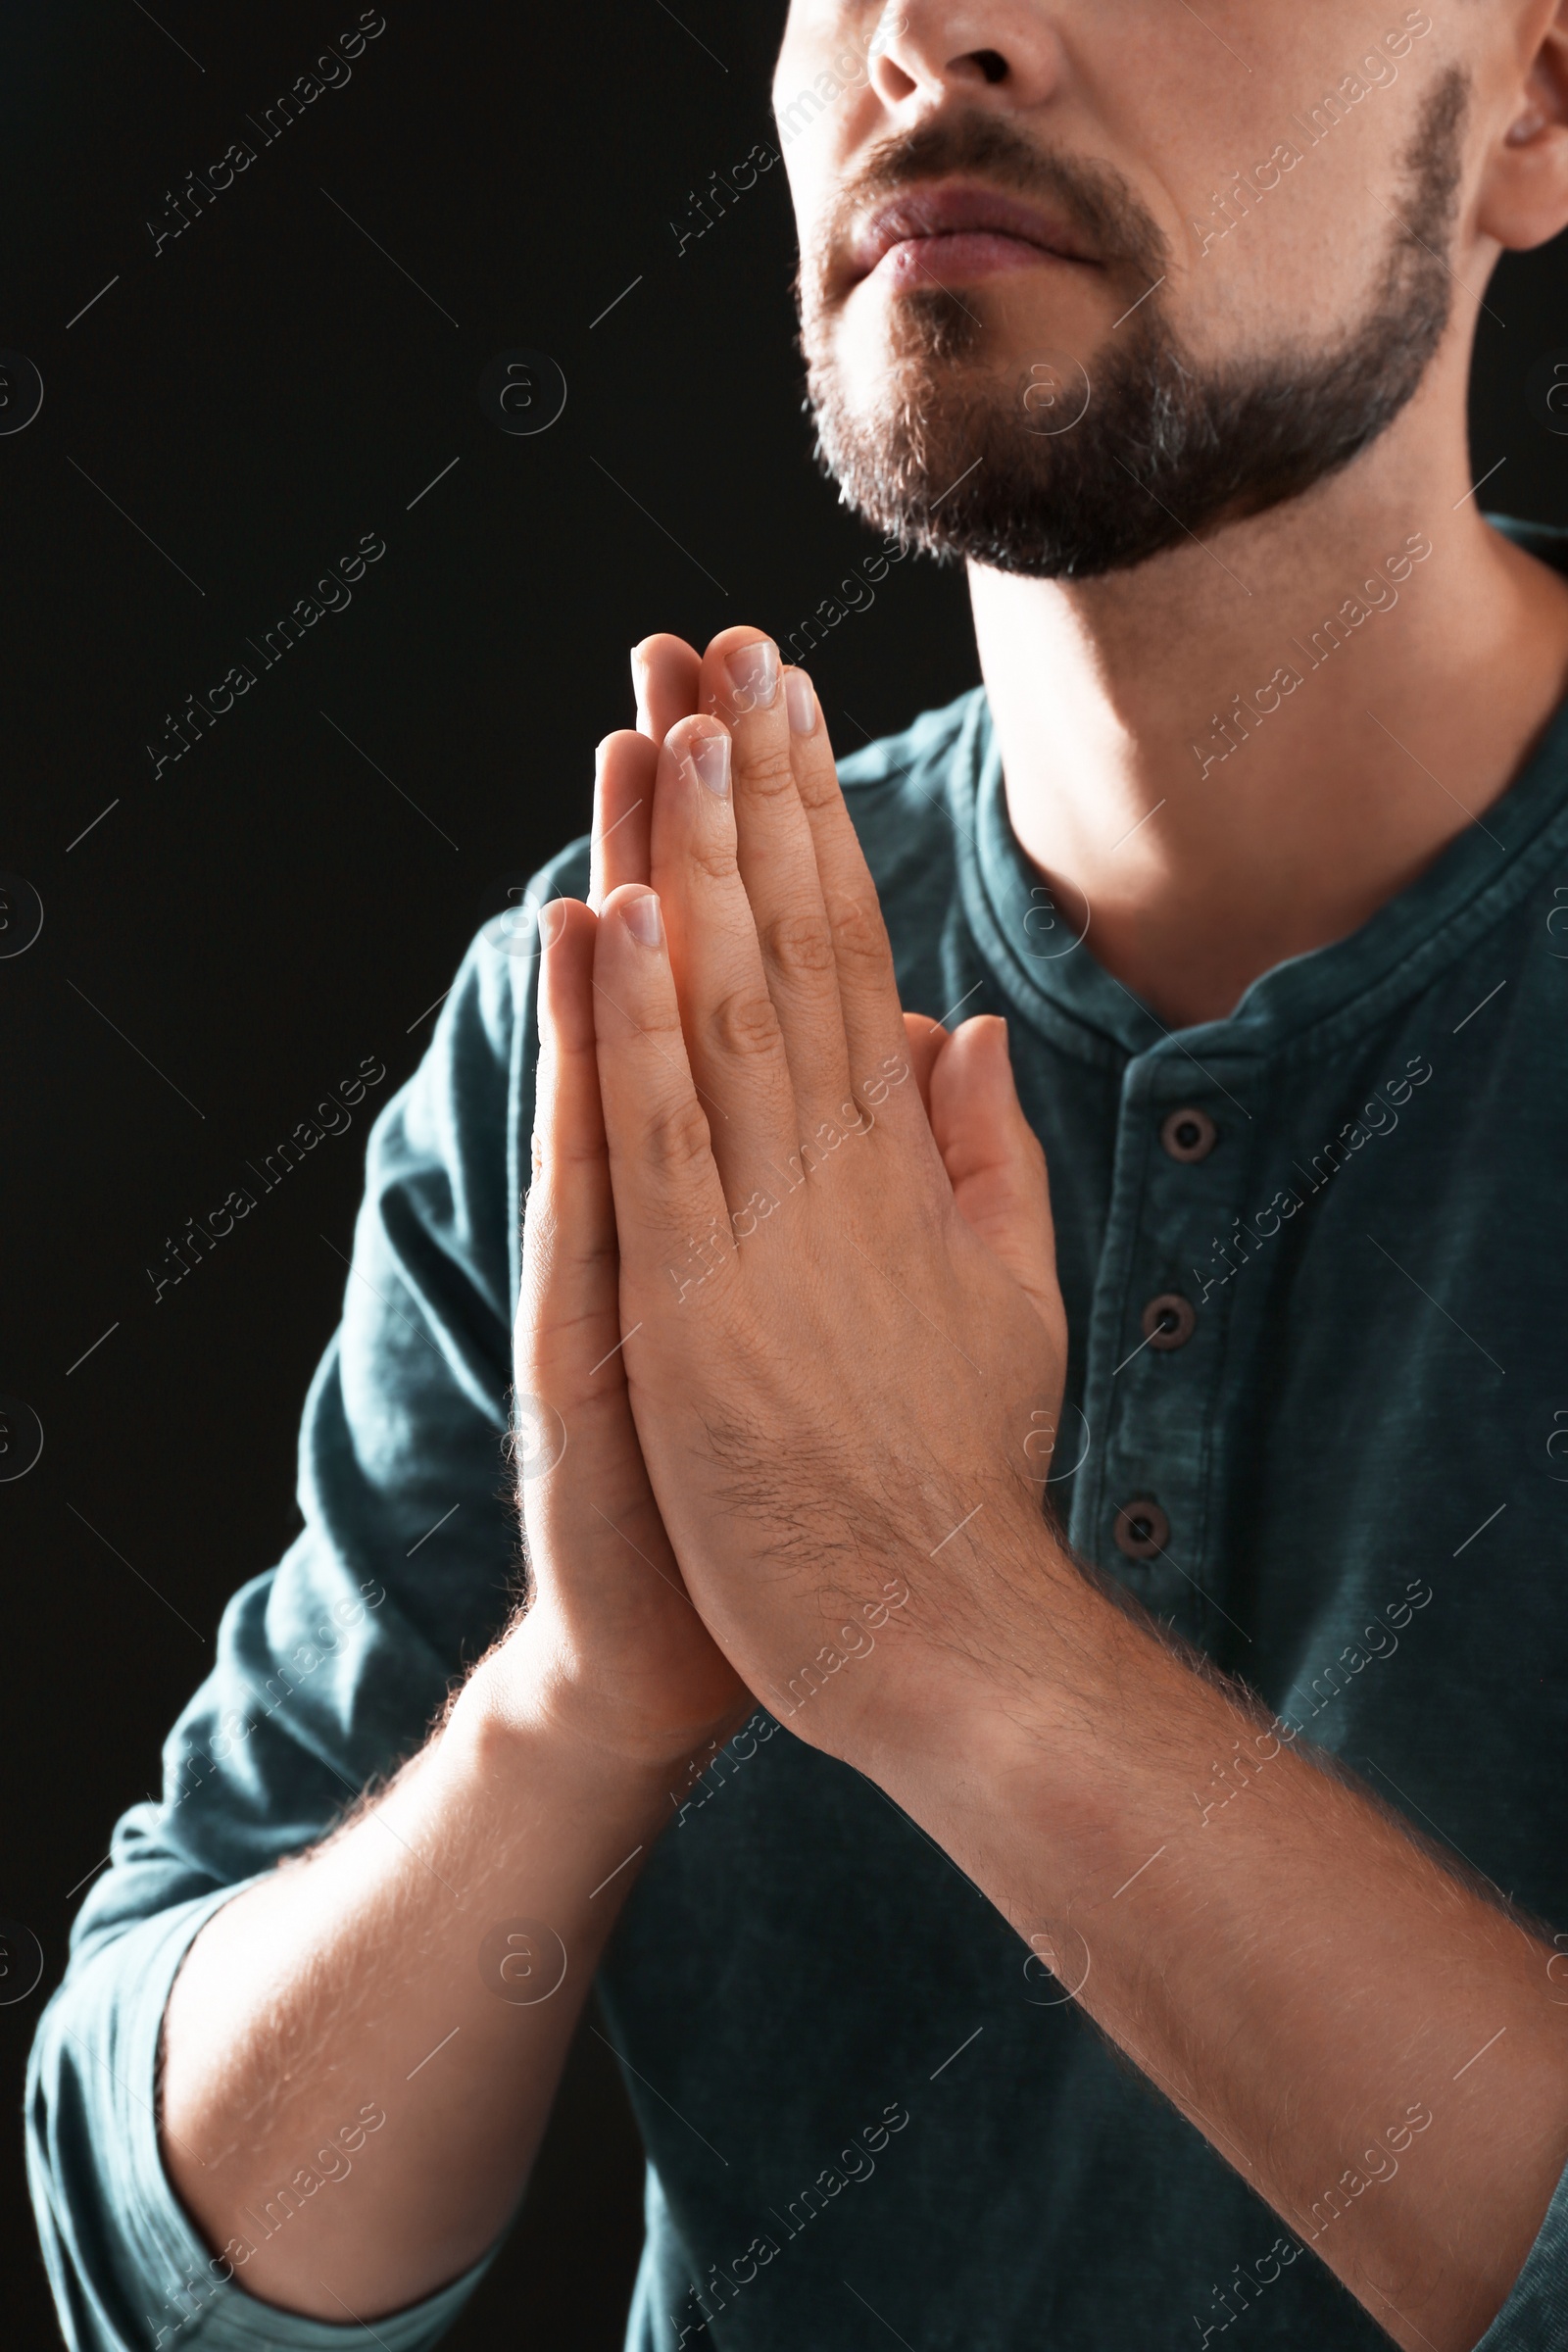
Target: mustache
x,y
1097,200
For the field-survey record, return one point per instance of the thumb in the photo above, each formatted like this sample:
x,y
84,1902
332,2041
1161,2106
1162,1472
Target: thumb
x,y
994,1159
924,1038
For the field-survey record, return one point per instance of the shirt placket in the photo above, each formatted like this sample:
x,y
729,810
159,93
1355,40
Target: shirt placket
x,y
1156,1398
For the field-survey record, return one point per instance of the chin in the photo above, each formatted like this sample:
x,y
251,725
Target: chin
x,y
1010,358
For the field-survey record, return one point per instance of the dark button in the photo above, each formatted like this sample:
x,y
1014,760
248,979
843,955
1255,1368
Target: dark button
x,y
1171,1320
1143,1530
1188,1134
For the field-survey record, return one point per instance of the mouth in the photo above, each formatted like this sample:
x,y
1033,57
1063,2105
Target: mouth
x,y
943,233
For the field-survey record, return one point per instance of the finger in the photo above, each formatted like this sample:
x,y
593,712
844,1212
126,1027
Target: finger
x,y
779,867
567,1349
669,1202
924,1040
733,1039
623,809
665,675
994,1159
567,1305
867,984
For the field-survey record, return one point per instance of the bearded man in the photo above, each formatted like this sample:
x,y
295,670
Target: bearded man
x,y
1044,1709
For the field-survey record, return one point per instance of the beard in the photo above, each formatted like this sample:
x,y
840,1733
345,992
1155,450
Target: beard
x,y
968,465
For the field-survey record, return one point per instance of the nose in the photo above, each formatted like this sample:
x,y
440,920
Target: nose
x,y
926,51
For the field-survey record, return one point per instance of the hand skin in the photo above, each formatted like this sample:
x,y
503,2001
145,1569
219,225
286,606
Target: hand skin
x,y
327,1988
834,1380
321,1990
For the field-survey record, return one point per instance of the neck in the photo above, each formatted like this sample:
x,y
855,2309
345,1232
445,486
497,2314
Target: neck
x,y
1238,750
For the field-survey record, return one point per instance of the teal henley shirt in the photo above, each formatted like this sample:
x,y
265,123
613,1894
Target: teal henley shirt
x,y
1343,1471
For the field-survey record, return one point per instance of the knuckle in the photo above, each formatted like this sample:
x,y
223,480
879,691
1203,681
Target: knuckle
x,y
745,1025
860,936
655,1026
798,945
818,785
677,1136
569,1152
714,860
765,771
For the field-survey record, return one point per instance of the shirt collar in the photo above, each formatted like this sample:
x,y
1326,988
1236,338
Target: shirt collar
x,y
1055,980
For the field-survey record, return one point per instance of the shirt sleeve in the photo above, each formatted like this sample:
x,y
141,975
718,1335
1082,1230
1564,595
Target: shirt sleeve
x,y
329,1669
1535,2317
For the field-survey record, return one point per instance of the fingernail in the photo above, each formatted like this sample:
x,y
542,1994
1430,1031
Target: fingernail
x,y
639,682
800,701
551,921
642,919
709,757
754,675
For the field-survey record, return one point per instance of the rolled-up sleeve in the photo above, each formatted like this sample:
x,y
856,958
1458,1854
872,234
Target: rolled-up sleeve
x,y
329,1668
1535,2317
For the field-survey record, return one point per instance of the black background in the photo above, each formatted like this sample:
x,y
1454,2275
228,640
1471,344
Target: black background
x,y
233,936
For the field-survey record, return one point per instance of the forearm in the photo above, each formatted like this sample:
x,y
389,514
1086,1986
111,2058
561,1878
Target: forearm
x,y
374,1979
1369,2038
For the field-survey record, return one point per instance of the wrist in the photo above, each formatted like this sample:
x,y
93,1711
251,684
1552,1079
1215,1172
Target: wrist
x,y
524,1712
1011,1677
1061,1749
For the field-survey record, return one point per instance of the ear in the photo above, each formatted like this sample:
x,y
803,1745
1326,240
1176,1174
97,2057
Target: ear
x,y
1524,192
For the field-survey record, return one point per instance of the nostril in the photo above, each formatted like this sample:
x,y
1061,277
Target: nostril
x,y
992,63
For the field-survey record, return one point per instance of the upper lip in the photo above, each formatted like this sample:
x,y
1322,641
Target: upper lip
x,y
935,212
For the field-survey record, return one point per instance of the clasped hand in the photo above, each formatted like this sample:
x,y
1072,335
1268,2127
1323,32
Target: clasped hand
x,y
789,1270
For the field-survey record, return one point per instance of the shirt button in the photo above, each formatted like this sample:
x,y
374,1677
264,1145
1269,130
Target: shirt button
x,y
1188,1134
1171,1320
1141,1530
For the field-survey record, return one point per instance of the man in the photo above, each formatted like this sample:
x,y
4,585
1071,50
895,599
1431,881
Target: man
x,y
1060,1704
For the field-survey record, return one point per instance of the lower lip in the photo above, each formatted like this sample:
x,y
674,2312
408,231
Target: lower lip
x,y
965,254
